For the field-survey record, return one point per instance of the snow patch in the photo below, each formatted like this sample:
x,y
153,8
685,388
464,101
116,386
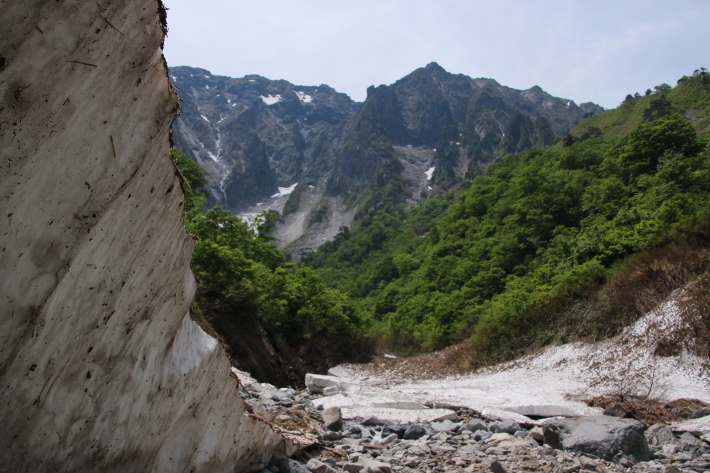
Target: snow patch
x,y
207,87
270,100
284,191
430,173
205,118
551,383
214,158
303,97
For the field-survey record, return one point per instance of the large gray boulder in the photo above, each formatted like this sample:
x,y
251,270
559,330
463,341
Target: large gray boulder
x,y
610,438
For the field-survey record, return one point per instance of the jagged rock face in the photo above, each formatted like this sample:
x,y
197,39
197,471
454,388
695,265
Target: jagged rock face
x,y
253,135
101,366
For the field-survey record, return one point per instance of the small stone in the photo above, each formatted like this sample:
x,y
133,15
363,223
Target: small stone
x,y
537,434
669,450
616,409
317,466
474,425
663,436
507,426
626,463
372,421
444,426
689,441
481,435
353,467
332,436
453,417
375,465
671,469
588,463
287,465
496,467
682,457
499,437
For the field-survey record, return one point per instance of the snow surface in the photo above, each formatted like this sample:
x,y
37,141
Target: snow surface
x,y
270,100
303,97
429,173
554,382
284,191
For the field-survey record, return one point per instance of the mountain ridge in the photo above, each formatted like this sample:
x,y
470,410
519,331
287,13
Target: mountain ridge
x,y
253,135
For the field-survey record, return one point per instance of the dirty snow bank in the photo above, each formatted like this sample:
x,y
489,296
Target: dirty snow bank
x,y
101,367
552,383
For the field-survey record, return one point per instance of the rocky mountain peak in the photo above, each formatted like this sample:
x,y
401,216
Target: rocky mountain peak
x,y
255,136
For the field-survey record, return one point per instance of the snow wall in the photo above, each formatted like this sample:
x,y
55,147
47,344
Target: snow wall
x,y
101,367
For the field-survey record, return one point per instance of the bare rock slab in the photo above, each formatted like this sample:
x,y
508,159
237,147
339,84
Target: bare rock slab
x,y
610,438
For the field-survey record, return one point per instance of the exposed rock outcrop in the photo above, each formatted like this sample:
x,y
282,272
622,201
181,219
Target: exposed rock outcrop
x,y
101,367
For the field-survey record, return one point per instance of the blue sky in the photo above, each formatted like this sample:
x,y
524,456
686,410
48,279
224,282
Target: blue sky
x,y
596,51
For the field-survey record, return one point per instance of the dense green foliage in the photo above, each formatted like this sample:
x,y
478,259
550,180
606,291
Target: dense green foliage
x,y
243,277
691,96
507,259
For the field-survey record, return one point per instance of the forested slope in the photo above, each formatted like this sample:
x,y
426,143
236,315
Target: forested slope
x,y
573,241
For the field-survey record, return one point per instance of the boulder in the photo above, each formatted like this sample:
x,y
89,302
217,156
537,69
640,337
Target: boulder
x,y
398,429
333,418
610,438
316,383
705,411
414,432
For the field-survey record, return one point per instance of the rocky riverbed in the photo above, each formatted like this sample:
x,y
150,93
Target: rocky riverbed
x,y
465,440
